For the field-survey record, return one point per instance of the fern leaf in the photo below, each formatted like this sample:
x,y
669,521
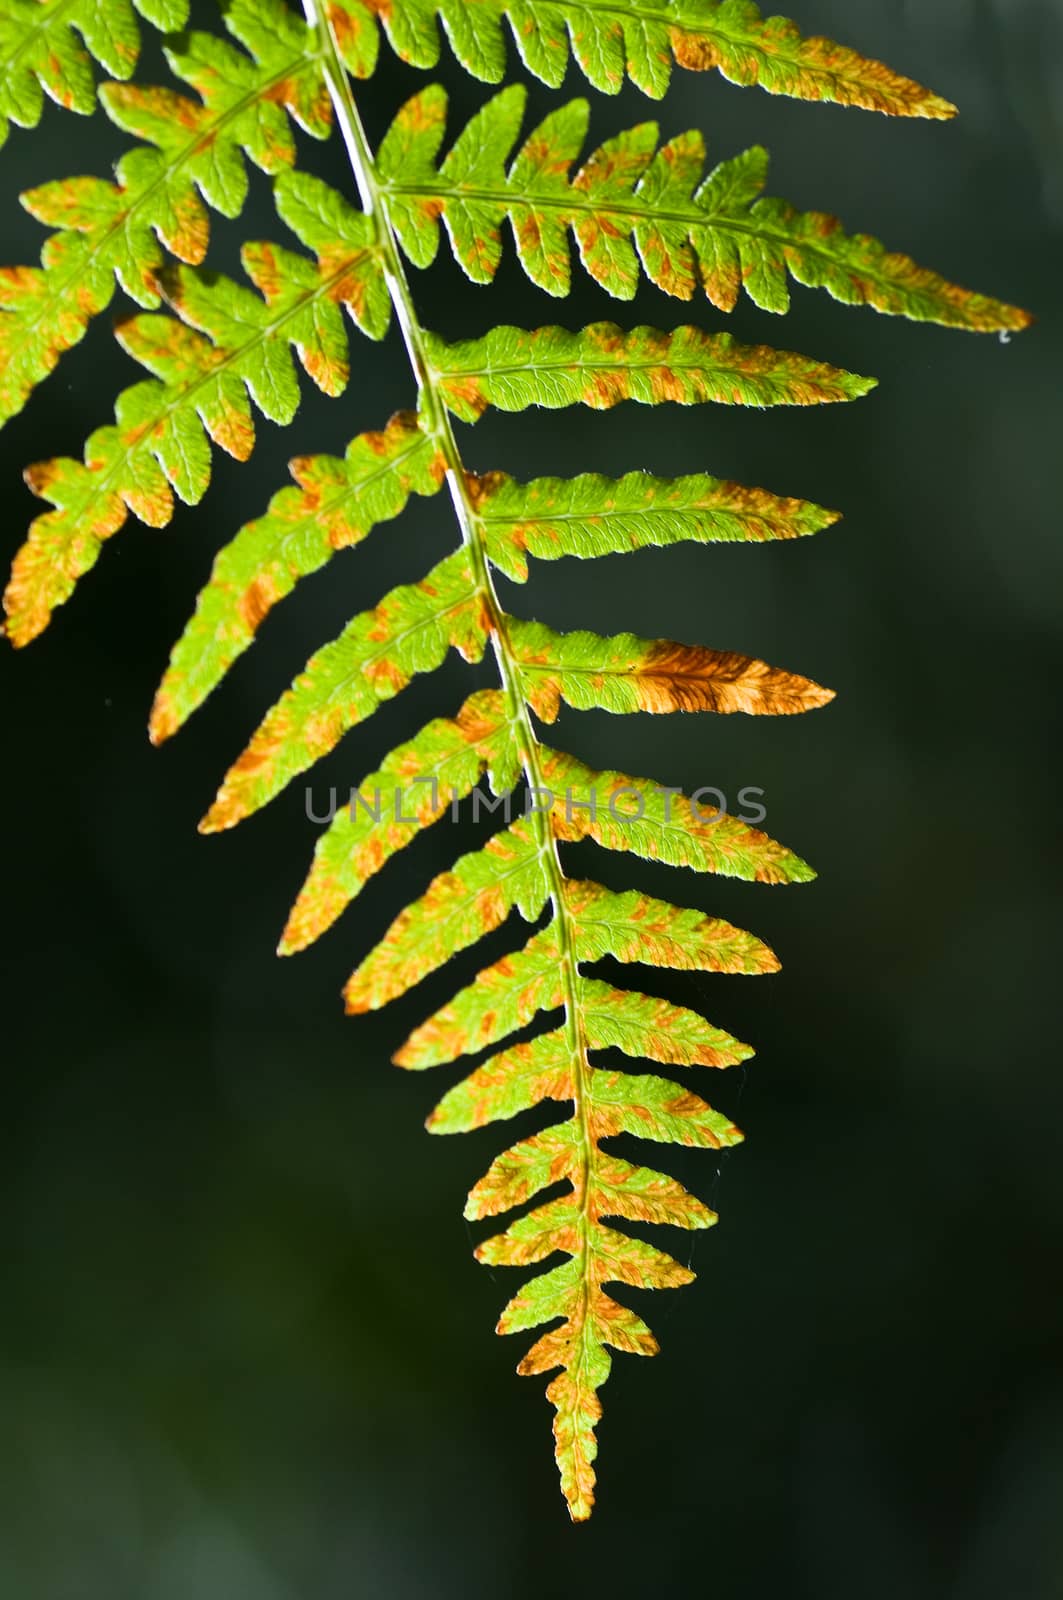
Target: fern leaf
x,y
642,1195
660,824
46,46
599,366
192,152
414,786
611,40
637,927
632,204
457,909
590,515
656,1108
373,659
231,347
335,504
642,1025
593,516
523,1171
513,1081
502,998
626,673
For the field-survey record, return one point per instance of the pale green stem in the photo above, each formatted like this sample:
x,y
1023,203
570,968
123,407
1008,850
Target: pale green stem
x,y
436,422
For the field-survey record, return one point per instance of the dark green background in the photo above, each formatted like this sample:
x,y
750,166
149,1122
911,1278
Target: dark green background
x,y
245,1352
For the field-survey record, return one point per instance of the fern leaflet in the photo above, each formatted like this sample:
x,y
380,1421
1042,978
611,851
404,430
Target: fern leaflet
x,y
45,48
716,234
611,40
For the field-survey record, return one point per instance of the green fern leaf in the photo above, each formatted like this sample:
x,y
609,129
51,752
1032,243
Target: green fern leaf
x,y
643,1026
374,658
611,40
591,516
192,152
45,48
501,999
335,504
456,910
632,204
415,785
513,1081
599,366
634,927
230,347
660,824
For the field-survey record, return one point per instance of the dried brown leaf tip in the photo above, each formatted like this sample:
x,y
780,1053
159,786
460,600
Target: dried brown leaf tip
x,y
626,673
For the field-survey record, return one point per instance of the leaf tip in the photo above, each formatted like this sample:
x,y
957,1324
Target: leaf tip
x,y
936,108
218,818
163,722
355,1003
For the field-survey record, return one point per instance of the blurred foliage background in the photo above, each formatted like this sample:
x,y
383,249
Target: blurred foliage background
x,y
246,1353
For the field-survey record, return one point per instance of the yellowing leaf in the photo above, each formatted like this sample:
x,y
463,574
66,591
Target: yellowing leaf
x,y
602,365
635,208
590,515
192,152
415,785
335,504
458,908
373,659
510,1082
636,927
39,53
656,1108
642,1025
622,1189
661,824
610,40
524,1170
627,673
500,999
231,347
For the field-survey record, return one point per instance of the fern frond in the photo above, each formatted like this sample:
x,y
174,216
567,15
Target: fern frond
x,y
230,347
46,45
602,364
611,40
635,208
191,156
632,204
